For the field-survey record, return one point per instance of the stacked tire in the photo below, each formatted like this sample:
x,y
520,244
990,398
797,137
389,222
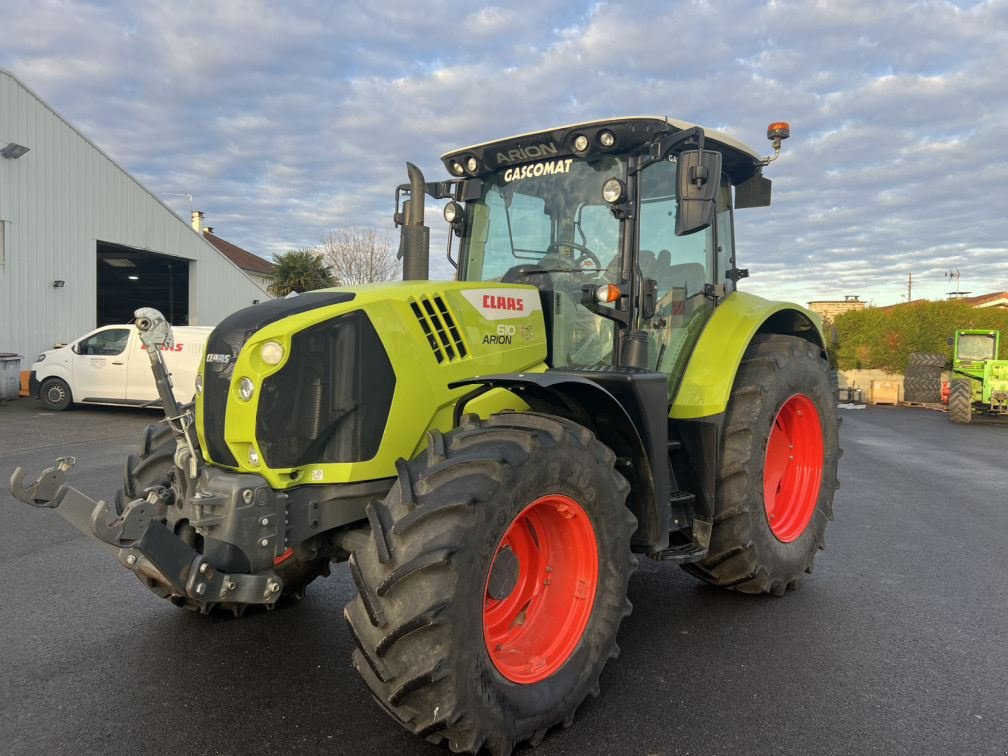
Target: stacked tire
x,y
922,380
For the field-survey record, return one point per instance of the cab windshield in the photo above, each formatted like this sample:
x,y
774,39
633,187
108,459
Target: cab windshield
x,y
546,224
974,346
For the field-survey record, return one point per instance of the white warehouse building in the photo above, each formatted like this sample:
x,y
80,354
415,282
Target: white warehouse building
x,y
83,243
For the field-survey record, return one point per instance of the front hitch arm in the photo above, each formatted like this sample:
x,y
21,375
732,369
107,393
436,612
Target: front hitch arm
x,y
138,539
44,491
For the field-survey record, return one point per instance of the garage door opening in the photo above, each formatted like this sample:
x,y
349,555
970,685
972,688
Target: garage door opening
x,y
130,278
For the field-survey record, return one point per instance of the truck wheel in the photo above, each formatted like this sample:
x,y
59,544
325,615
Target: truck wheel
x,y
155,466
55,394
492,588
776,469
960,405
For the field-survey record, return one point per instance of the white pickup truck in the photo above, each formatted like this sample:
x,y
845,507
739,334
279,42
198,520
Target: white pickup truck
x,y
110,366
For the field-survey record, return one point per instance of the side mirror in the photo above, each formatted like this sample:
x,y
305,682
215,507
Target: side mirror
x,y
698,176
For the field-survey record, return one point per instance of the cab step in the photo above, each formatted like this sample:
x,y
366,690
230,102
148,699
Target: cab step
x,y
682,553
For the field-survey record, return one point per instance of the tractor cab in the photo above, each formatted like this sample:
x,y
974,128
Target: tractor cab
x,y
624,225
973,348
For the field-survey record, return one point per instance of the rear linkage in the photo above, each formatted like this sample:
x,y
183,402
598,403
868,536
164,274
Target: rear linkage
x,y
137,536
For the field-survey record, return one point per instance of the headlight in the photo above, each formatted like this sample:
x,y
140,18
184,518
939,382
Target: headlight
x,y
271,353
253,457
246,389
452,212
613,190
580,143
607,139
198,383
40,357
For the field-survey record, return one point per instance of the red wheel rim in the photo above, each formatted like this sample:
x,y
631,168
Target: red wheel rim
x,y
544,576
793,469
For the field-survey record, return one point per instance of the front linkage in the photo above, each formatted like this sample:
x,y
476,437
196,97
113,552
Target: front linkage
x,y
238,518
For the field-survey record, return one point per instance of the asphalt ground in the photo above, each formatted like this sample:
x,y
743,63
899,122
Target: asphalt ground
x,y
896,644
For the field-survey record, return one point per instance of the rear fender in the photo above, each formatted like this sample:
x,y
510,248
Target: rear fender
x,y
710,373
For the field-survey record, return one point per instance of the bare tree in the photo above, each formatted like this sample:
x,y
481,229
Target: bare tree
x,y
359,255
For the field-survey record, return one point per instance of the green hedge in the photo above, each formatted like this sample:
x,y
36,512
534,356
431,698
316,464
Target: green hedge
x,y
884,338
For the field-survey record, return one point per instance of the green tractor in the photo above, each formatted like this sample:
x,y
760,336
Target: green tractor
x,y
982,383
492,455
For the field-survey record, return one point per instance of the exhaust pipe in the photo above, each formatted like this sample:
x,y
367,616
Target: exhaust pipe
x,y
414,239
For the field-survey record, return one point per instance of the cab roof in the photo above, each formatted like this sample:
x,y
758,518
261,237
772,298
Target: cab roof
x,y
740,161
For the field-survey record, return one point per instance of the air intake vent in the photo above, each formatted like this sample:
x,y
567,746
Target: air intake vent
x,y
439,327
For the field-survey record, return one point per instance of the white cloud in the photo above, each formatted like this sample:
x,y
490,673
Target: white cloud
x,y
285,120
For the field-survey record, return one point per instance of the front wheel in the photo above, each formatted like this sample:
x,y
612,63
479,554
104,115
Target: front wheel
x,y
776,471
55,394
490,596
960,405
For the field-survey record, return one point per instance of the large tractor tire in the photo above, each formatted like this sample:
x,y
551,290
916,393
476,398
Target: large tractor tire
x,y
925,359
960,405
776,471
155,466
495,581
922,378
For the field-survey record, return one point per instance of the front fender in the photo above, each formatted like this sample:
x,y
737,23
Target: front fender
x,y
52,370
710,373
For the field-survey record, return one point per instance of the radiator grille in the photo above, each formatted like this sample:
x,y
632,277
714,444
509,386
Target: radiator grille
x,y
440,328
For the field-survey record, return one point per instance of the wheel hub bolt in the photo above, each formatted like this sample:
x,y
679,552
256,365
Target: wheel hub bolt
x,y
201,588
264,542
131,560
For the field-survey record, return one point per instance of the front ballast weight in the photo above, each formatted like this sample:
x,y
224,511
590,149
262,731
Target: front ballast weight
x,y
139,539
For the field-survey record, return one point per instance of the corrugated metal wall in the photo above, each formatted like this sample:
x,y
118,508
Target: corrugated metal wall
x,y
55,203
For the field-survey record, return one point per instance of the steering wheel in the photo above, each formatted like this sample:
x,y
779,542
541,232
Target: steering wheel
x,y
586,254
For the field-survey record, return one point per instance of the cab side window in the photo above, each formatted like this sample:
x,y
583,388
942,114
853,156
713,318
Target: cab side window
x,y
105,343
680,265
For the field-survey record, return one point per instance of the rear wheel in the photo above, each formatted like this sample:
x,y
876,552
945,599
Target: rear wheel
x,y
776,469
489,599
55,394
155,466
960,405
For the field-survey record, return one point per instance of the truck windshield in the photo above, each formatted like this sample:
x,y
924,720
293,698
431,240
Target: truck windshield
x,y
546,224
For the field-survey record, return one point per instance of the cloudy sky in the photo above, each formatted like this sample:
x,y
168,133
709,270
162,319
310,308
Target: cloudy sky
x,y
287,119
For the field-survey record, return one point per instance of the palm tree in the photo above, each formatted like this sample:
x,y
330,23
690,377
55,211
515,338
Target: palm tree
x,y
299,270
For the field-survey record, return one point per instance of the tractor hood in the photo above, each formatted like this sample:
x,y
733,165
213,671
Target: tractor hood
x,y
334,385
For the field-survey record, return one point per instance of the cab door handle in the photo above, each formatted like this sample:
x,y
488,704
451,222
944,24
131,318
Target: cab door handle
x,y
118,363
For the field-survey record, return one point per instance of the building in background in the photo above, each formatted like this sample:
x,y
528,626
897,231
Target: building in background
x,y
828,309
83,243
255,267
998,299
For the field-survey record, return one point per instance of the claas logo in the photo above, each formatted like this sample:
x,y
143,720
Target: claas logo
x,y
491,302
165,347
